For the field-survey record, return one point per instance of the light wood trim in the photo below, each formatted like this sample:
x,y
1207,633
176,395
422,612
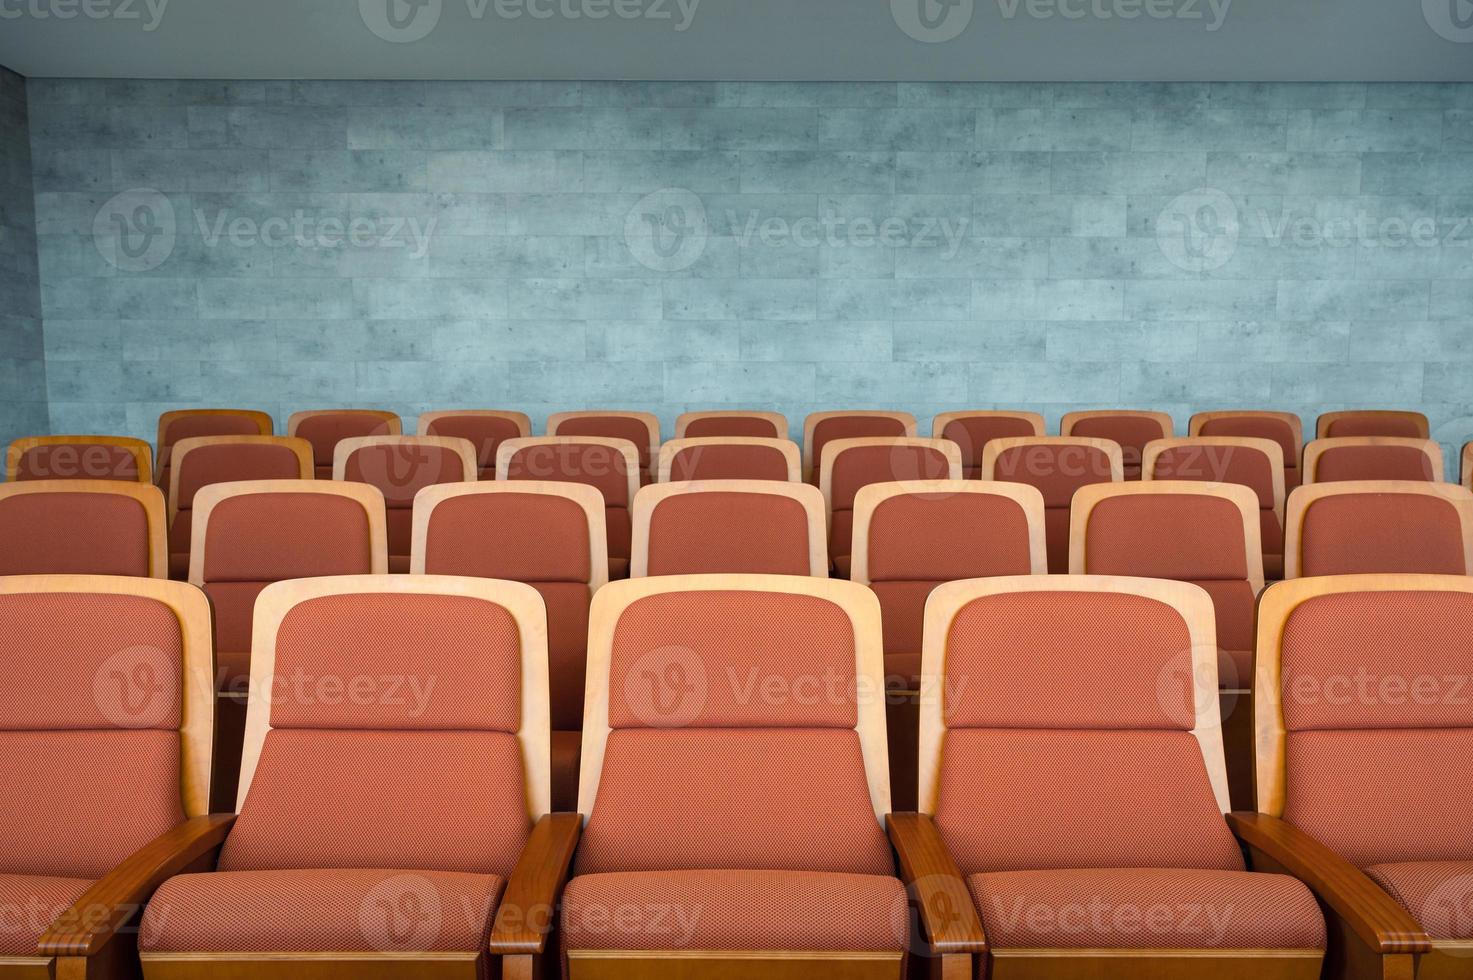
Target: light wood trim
x,y
778,419
1070,419
1268,447
836,447
1319,447
371,499
141,452
586,497
808,497
463,448
1198,422
651,423
1305,496
1275,606
510,447
523,603
811,421
997,447
1465,470
1086,498
858,602
148,496
869,498
1327,419
724,964
1189,601
301,447
669,450
519,419
943,419
197,731
313,966
391,420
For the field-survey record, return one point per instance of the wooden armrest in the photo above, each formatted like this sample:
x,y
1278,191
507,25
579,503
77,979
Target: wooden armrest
x,y
1380,922
947,912
525,916
95,917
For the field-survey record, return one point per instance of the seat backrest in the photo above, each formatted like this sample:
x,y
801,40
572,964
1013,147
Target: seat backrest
x,y
106,719
484,428
1365,526
191,423
680,750
1072,722
1368,422
640,428
757,425
400,467
1129,428
1056,466
1368,675
972,431
325,428
1251,462
547,535
610,466
729,458
712,526
248,535
79,458
83,527
820,428
1372,458
849,465
440,763
1284,428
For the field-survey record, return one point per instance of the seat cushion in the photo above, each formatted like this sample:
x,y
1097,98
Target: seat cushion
x,y
336,910
31,903
725,910
1438,894
1146,908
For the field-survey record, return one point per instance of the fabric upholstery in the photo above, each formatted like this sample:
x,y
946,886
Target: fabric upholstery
x,y
973,435
849,427
1132,432
942,537
527,537
729,463
324,432
233,606
272,536
1146,908
205,465
1381,532
567,648
736,910
859,466
1166,535
602,467
400,471
194,426
611,427
31,904
720,531
1373,463
1056,471
1233,605
1220,464
1399,426
902,615
485,432
73,533
1260,428
77,461
339,910
1438,894
731,426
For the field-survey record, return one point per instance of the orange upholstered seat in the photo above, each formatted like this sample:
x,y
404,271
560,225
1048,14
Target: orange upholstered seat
x,y
762,813
640,428
1131,430
548,535
707,526
400,467
379,831
484,428
192,423
325,428
82,527
972,431
1368,422
1057,466
79,458
849,465
819,428
1379,526
759,425
1284,428
1372,458
729,458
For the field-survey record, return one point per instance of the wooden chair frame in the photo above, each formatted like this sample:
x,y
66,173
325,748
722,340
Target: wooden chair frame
x,y
997,447
1465,469
508,449
148,496
141,452
943,419
463,448
587,498
649,498
1268,447
264,424
835,447
651,422
811,422
1070,419
1198,422
869,499
301,447
1319,447
673,448
779,422
1326,420
1303,498
94,937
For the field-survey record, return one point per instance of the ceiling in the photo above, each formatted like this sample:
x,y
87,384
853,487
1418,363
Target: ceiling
x,y
918,40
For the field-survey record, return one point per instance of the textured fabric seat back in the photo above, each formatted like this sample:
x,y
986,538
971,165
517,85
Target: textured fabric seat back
x,y
196,425
754,426
77,461
1056,470
1132,432
723,705
856,467
202,466
973,433
539,539
827,430
729,462
1374,462
485,432
324,430
1404,425
599,466
1259,427
630,427
74,533
400,470
89,730
420,769
1374,688
1229,464
1068,738
723,531
1350,533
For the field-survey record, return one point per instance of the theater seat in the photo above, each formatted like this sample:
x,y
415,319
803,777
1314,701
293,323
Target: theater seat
x,y
729,458
325,428
849,465
1284,428
1372,458
760,425
642,429
483,427
193,423
1362,526
79,458
1368,422
549,536
400,467
745,526
819,428
83,527
972,431
1131,430
1056,466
